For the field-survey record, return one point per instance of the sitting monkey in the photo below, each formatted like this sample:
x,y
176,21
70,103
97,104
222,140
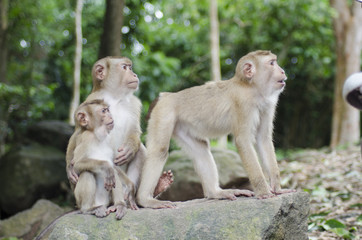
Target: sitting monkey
x,y
99,183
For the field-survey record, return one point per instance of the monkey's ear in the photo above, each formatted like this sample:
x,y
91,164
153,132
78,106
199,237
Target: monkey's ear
x,y
100,72
248,70
82,119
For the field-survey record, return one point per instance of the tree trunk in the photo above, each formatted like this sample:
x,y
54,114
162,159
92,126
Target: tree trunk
x,y
215,55
215,43
4,5
77,61
112,25
348,32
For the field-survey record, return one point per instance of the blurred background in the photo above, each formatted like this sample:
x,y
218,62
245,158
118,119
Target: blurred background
x,y
174,45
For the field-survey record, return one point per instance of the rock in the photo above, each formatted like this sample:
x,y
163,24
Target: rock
x,y
282,217
51,132
187,184
29,173
27,224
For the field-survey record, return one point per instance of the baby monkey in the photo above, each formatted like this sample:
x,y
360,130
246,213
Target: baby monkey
x,y
100,181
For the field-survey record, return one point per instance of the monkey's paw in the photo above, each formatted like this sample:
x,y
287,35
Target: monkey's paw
x,y
124,156
164,183
131,202
282,191
101,212
265,196
120,210
154,203
109,179
231,194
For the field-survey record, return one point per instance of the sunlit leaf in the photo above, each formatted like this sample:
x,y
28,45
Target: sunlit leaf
x,y
333,223
342,232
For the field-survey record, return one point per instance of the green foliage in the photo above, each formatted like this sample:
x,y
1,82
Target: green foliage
x,y
332,225
168,42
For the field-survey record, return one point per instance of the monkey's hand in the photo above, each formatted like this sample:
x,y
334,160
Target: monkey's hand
x,y
109,179
72,175
126,154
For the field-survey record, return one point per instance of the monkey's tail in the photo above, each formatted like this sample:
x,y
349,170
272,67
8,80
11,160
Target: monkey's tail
x,y
42,234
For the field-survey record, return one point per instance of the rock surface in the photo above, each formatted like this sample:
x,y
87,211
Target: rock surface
x,y
187,184
282,217
51,132
27,224
28,173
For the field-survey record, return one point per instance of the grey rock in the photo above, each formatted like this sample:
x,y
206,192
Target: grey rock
x,y
282,217
29,173
27,224
187,184
51,132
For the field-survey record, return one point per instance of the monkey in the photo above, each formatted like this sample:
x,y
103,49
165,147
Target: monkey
x,y
92,161
115,82
99,183
243,106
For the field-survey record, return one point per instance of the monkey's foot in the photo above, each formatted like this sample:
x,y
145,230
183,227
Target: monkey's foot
x,y
164,183
265,196
154,203
100,211
120,210
282,191
132,203
231,194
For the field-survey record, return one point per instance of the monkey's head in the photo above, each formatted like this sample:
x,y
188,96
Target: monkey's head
x,y
115,74
94,115
260,68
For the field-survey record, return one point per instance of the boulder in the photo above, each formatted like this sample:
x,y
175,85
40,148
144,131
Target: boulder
x,y
28,173
282,217
187,184
27,224
52,133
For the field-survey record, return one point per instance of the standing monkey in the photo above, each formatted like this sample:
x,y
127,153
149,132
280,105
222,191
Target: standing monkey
x,y
243,105
99,183
115,82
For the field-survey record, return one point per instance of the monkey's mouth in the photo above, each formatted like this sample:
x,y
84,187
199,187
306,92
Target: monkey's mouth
x,y
282,82
110,125
133,82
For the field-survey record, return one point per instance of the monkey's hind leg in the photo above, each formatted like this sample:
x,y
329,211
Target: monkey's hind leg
x,y
85,191
119,206
204,163
160,130
85,194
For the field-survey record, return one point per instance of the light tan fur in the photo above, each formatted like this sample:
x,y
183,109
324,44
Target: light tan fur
x,y
99,184
115,82
243,105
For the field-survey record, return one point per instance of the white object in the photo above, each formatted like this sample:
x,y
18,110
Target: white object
x,y
352,90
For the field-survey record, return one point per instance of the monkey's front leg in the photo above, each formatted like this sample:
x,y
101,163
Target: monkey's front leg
x,y
251,165
72,175
267,154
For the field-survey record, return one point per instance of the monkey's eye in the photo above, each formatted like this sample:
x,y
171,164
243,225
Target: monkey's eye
x,y
272,62
124,67
130,68
105,110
